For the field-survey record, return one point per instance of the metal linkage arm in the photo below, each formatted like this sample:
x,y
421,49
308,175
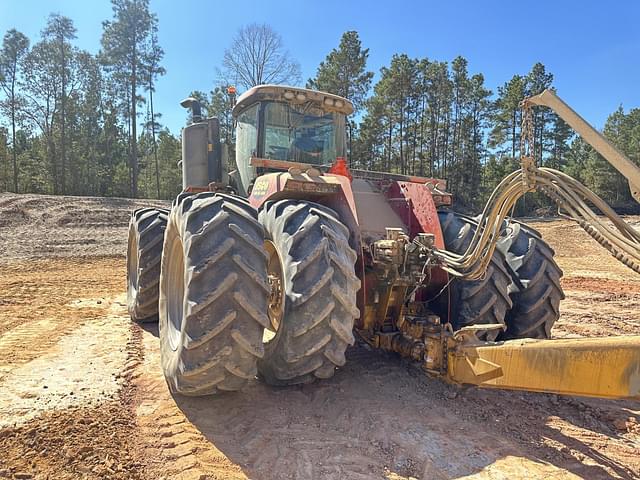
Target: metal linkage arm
x,y
615,157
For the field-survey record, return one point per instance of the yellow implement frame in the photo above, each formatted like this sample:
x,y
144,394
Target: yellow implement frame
x,y
606,367
593,367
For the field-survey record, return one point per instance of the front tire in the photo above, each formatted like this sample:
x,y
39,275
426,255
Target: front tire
x,y
319,292
213,294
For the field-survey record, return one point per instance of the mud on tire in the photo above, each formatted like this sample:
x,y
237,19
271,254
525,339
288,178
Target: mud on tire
x,y
144,253
481,301
320,288
213,294
535,290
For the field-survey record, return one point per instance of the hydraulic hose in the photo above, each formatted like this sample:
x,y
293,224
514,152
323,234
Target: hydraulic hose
x,y
621,240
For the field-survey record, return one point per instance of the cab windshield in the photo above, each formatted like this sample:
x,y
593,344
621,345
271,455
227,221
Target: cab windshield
x,y
303,133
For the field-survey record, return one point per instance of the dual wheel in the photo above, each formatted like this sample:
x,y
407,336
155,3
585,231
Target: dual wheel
x,y
241,295
521,289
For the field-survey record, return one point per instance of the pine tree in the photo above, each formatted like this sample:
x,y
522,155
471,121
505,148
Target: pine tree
x,y
14,47
368,146
220,105
169,151
578,158
41,87
537,81
623,130
438,92
58,33
89,103
4,157
478,115
344,73
505,137
561,135
125,48
154,70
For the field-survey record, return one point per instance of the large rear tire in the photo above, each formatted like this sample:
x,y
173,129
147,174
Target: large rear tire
x,y
318,299
144,253
213,294
475,302
536,291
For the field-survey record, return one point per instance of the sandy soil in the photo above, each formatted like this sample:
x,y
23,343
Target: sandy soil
x,y
82,394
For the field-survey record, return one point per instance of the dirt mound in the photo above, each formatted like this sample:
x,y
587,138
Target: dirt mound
x,y
41,226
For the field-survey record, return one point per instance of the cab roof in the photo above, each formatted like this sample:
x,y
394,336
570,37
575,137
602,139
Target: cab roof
x,y
293,95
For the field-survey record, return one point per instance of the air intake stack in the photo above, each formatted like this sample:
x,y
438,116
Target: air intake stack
x,y
201,149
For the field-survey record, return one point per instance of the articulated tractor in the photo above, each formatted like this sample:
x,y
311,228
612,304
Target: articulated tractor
x,y
271,264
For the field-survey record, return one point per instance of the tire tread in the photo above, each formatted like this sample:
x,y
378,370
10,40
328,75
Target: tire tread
x,y
320,289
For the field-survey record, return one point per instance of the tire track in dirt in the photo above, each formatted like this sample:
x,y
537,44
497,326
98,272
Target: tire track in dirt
x,y
68,363
173,446
607,310
37,303
81,369
81,441
377,418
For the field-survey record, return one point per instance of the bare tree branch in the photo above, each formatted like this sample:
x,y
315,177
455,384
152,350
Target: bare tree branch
x,y
257,56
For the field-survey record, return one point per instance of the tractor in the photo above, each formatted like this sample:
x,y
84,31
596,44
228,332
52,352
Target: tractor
x,y
272,263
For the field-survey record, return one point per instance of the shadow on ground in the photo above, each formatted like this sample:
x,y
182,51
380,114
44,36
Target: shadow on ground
x,y
151,327
379,416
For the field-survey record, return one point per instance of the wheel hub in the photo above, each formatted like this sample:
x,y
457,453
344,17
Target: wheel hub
x,y
276,295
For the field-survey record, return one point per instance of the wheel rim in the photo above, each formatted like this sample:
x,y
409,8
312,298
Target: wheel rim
x,y
175,293
132,266
275,309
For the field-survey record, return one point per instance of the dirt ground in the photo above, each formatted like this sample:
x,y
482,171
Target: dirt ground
x,y
82,394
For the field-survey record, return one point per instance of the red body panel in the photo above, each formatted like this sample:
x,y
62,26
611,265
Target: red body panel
x,y
414,203
274,186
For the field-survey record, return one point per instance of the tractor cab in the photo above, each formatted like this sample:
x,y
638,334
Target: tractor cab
x,y
278,126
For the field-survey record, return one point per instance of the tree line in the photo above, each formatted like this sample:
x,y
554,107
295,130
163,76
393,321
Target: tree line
x,y
436,118
84,124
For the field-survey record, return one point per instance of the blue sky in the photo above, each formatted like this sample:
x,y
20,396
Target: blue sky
x,y
592,48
